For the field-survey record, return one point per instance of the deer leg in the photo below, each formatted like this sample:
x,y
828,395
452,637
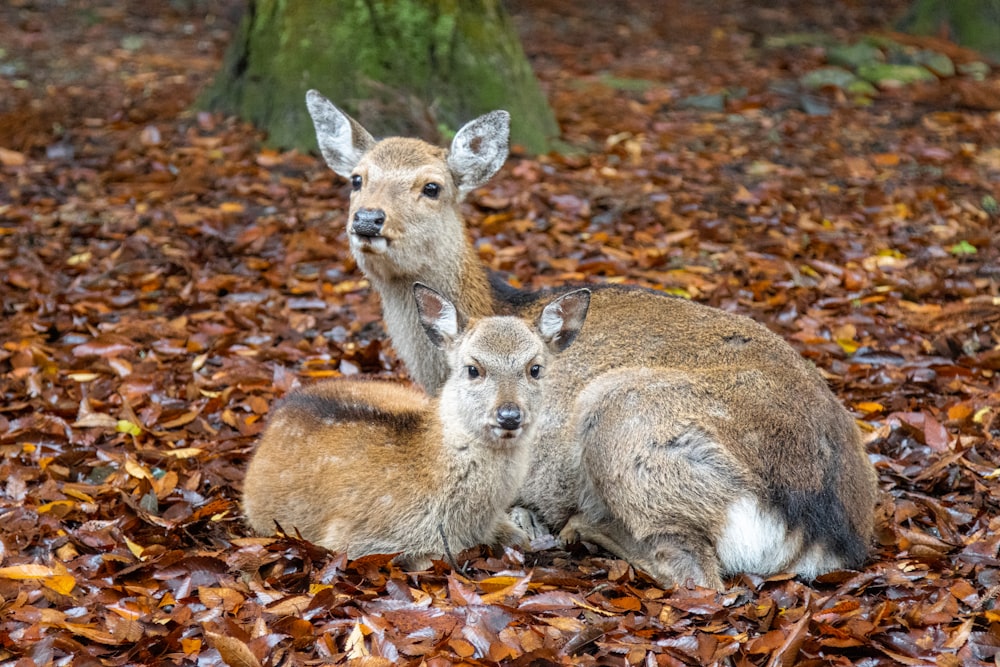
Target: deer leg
x,y
529,523
670,559
508,532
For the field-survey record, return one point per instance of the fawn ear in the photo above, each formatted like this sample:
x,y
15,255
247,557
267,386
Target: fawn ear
x,y
438,315
479,150
341,139
562,319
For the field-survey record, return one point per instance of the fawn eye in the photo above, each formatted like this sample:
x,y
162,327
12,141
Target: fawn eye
x,y
431,190
355,182
535,371
473,372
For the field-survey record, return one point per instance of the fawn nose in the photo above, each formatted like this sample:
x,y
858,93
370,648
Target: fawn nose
x,y
509,417
368,222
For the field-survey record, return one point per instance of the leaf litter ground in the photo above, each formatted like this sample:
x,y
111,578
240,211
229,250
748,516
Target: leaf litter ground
x,y
165,279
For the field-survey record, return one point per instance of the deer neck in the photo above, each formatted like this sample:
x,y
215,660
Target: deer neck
x,y
462,279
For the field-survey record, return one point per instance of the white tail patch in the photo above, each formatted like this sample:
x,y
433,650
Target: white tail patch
x,y
756,540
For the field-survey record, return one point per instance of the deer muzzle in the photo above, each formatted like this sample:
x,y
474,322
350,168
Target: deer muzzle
x,y
509,417
368,222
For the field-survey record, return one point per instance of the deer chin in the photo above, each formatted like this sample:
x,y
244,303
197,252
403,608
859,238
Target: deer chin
x,y
502,437
370,245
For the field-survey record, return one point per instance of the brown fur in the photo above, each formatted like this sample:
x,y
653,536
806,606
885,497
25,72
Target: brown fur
x,y
369,466
691,441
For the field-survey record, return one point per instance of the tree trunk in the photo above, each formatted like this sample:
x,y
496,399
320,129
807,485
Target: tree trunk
x,y
971,23
406,67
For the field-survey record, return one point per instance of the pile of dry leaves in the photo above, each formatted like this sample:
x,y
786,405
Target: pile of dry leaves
x,y
163,279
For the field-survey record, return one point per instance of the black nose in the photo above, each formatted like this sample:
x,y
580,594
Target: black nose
x,y
368,222
509,417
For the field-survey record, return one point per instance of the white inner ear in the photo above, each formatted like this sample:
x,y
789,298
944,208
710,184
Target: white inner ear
x,y
334,134
447,319
551,321
479,149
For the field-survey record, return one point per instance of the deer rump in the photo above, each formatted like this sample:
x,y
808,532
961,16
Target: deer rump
x,y
690,441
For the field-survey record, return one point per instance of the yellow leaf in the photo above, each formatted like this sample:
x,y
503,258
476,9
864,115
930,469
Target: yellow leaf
x,y
847,345
676,291
807,270
56,504
231,207
980,415
57,579
125,426
316,588
137,470
183,452
27,571
76,493
81,258
322,374
869,406
136,549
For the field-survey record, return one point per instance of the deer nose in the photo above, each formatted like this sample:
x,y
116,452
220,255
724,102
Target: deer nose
x,y
509,417
368,222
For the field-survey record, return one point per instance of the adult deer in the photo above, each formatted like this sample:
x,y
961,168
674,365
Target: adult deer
x,y
691,442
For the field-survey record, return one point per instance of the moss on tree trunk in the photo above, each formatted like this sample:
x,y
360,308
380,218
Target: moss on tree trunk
x,y
399,66
971,23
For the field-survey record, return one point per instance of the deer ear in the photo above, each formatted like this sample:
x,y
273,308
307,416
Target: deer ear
x,y
437,314
562,319
479,150
341,139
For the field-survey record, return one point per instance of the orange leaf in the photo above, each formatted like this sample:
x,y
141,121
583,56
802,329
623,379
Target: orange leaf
x,y
886,159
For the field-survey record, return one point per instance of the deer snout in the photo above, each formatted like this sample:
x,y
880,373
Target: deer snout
x,y
368,222
509,417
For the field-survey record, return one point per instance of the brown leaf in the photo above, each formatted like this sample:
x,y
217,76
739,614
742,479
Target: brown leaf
x,y
233,652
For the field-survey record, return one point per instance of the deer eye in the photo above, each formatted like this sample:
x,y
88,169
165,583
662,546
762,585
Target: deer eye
x,y
535,371
431,190
355,182
472,371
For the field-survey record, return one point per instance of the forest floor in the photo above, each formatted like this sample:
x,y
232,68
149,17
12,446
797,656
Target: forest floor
x,y
164,279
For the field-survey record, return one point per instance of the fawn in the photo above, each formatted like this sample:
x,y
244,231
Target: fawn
x,y
371,466
692,442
